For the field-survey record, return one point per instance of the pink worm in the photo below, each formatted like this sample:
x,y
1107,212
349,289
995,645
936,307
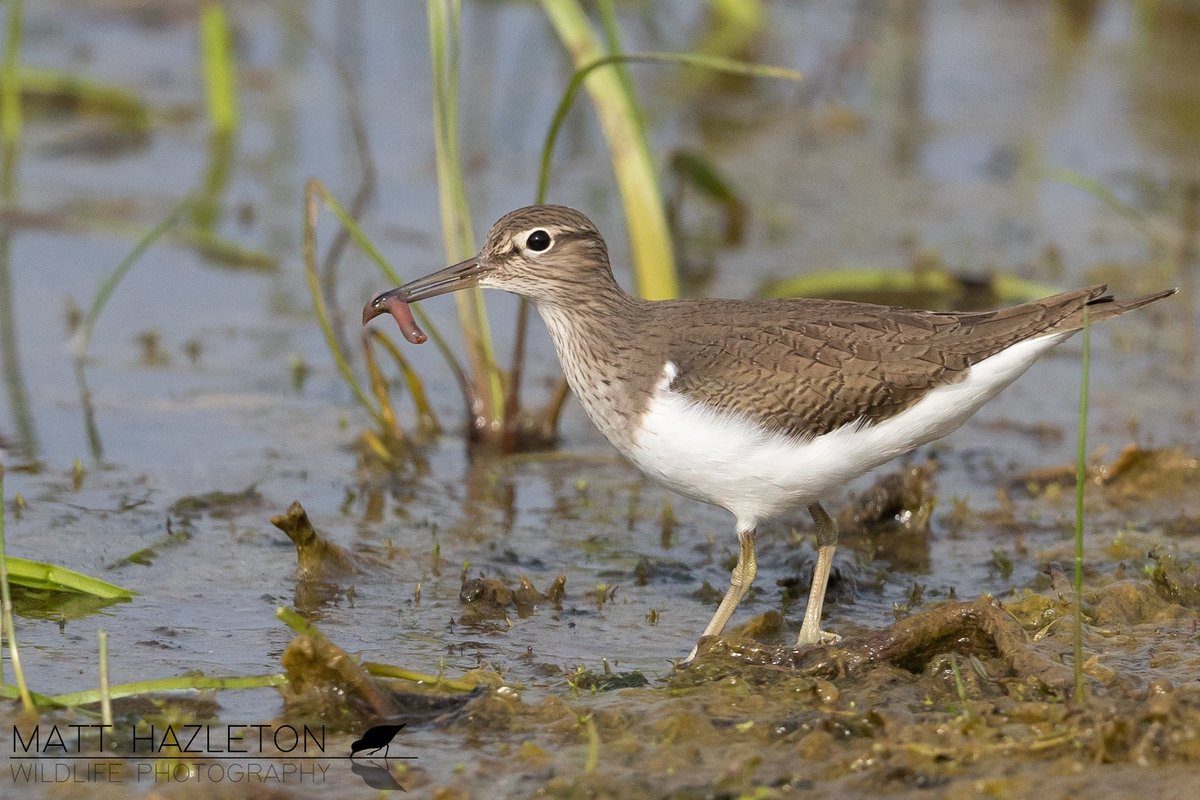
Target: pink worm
x,y
400,312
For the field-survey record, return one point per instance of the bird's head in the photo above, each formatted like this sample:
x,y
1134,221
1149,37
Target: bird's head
x,y
545,253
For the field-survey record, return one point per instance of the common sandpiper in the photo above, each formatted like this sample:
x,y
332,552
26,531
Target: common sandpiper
x,y
757,406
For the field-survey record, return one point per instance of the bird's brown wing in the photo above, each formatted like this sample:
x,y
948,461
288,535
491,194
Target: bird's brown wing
x,y
808,367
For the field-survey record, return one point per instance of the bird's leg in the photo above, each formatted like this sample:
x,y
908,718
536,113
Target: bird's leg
x,y
739,584
827,536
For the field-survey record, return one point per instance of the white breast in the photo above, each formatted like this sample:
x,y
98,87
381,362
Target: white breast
x,y
726,459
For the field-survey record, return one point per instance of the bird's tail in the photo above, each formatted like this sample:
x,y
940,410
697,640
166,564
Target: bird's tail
x,y
1096,306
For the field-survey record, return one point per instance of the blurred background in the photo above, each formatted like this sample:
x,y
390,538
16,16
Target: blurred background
x,y
1008,143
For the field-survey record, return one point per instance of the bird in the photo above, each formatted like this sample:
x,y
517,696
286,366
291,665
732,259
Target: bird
x,y
376,738
759,406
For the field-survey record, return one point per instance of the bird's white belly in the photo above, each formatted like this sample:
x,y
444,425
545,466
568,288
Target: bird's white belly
x,y
726,459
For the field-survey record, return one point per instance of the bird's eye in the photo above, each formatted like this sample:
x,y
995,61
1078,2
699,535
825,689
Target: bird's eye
x,y
538,241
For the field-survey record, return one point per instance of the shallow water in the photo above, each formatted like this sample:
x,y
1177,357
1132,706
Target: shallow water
x,y
921,131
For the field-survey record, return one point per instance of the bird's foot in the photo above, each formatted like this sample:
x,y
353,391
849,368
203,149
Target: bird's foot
x,y
703,641
821,637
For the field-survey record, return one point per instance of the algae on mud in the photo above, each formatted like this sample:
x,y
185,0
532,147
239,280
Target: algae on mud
x,y
948,700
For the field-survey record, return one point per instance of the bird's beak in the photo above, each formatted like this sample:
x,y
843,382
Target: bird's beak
x,y
462,275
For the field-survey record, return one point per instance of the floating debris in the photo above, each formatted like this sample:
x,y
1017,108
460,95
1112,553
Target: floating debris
x,y
1135,475
317,558
902,500
490,599
219,504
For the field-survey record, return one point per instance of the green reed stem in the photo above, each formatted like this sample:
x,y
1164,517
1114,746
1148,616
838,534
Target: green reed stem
x,y
6,615
593,744
1080,480
105,689
219,66
612,44
173,684
361,239
1109,198
10,78
39,700
56,578
107,287
378,670
637,178
650,240
305,627
426,418
444,27
314,186
314,192
321,309
716,63
296,622
110,283
379,388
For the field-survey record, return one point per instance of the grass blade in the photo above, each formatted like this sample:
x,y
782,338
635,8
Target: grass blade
x,y
637,179
103,293
697,60
1109,198
10,88
379,388
40,575
315,187
1080,478
444,19
179,683
316,194
110,283
105,690
312,191
6,616
220,89
378,670
219,67
426,419
650,240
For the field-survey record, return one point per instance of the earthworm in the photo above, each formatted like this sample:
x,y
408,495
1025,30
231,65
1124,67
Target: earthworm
x,y
400,312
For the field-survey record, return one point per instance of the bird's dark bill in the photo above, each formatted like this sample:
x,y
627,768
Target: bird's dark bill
x,y
462,275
